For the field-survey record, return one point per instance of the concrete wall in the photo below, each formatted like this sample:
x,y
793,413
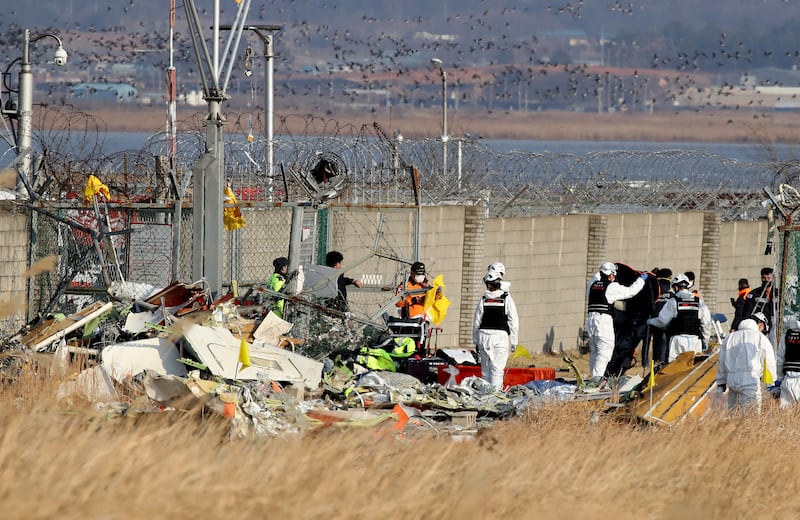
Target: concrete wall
x,y
549,259
14,240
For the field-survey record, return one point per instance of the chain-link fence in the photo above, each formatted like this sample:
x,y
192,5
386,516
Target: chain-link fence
x,y
137,243
349,166
362,165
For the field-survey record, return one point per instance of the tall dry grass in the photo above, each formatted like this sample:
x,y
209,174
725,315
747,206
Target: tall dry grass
x,y
69,460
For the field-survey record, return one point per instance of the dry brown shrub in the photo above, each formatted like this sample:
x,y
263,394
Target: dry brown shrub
x,y
47,263
69,460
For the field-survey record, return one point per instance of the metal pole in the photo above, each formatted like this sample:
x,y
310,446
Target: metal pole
x,y
445,137
25,111
459,164
25,115
295,237
268,55
267,35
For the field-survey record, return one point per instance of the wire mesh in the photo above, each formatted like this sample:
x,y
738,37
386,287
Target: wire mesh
x,y
373,168
330,165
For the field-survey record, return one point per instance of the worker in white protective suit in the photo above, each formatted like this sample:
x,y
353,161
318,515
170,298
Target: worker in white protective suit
x,y
495,326
788,364
601,294
686,319
742,358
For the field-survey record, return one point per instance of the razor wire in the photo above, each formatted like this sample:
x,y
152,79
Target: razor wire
x,y
370,168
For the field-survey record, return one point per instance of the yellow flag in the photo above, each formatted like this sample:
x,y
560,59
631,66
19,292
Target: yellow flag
x,y
232,217
244,354
652,382
766,377
521,351
93,187
436,303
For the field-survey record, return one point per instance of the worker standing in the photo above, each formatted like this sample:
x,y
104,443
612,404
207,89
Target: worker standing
x,y
334,259
277,281
412,305
741,304
788,365
495,326
743,356
602,292
660,338
686,319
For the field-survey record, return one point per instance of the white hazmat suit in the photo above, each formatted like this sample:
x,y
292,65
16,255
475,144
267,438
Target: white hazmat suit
x,y
790,379
600,326
494,345
742,358
680,343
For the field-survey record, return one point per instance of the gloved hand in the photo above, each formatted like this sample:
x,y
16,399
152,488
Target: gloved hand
x,y
721,388
513,348
643,276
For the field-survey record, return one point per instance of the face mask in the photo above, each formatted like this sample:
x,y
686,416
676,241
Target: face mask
x,y
419,278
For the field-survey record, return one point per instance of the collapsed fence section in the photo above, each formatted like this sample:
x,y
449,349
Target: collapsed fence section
x,y
152,245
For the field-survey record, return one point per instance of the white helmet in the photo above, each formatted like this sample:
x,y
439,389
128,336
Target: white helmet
x,y
760,318
681,280
608,268
495,271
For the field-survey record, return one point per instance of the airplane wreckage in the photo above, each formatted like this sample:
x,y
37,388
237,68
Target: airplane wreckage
x,y
178,348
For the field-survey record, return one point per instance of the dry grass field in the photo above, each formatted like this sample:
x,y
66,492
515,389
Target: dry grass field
x,y
684,126
73,459
69,460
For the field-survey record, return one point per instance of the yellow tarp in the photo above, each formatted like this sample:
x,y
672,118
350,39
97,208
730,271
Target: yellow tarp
x,y
436,303
232,217
94,187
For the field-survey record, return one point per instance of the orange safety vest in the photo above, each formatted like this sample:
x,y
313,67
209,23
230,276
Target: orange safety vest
x,y
414,305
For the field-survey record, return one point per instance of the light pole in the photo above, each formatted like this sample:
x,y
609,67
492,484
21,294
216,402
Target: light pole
x,y
26,103
436,63
267,34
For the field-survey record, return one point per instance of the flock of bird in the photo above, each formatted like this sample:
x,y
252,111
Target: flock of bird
x,y
499,55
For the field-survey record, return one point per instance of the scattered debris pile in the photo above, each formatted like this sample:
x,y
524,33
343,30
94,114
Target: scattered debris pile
x,y
151,350
174,349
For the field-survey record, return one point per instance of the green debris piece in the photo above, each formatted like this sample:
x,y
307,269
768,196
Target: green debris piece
x,y
192,363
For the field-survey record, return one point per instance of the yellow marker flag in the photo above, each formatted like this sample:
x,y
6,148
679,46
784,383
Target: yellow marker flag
x,y
244,354
436,304
652,382
93,187
521,351
766,376
232,217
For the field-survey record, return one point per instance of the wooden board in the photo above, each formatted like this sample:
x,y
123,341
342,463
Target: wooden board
x,y
45,333
681,390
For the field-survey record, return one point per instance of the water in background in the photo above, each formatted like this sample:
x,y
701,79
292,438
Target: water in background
x,y
748,152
